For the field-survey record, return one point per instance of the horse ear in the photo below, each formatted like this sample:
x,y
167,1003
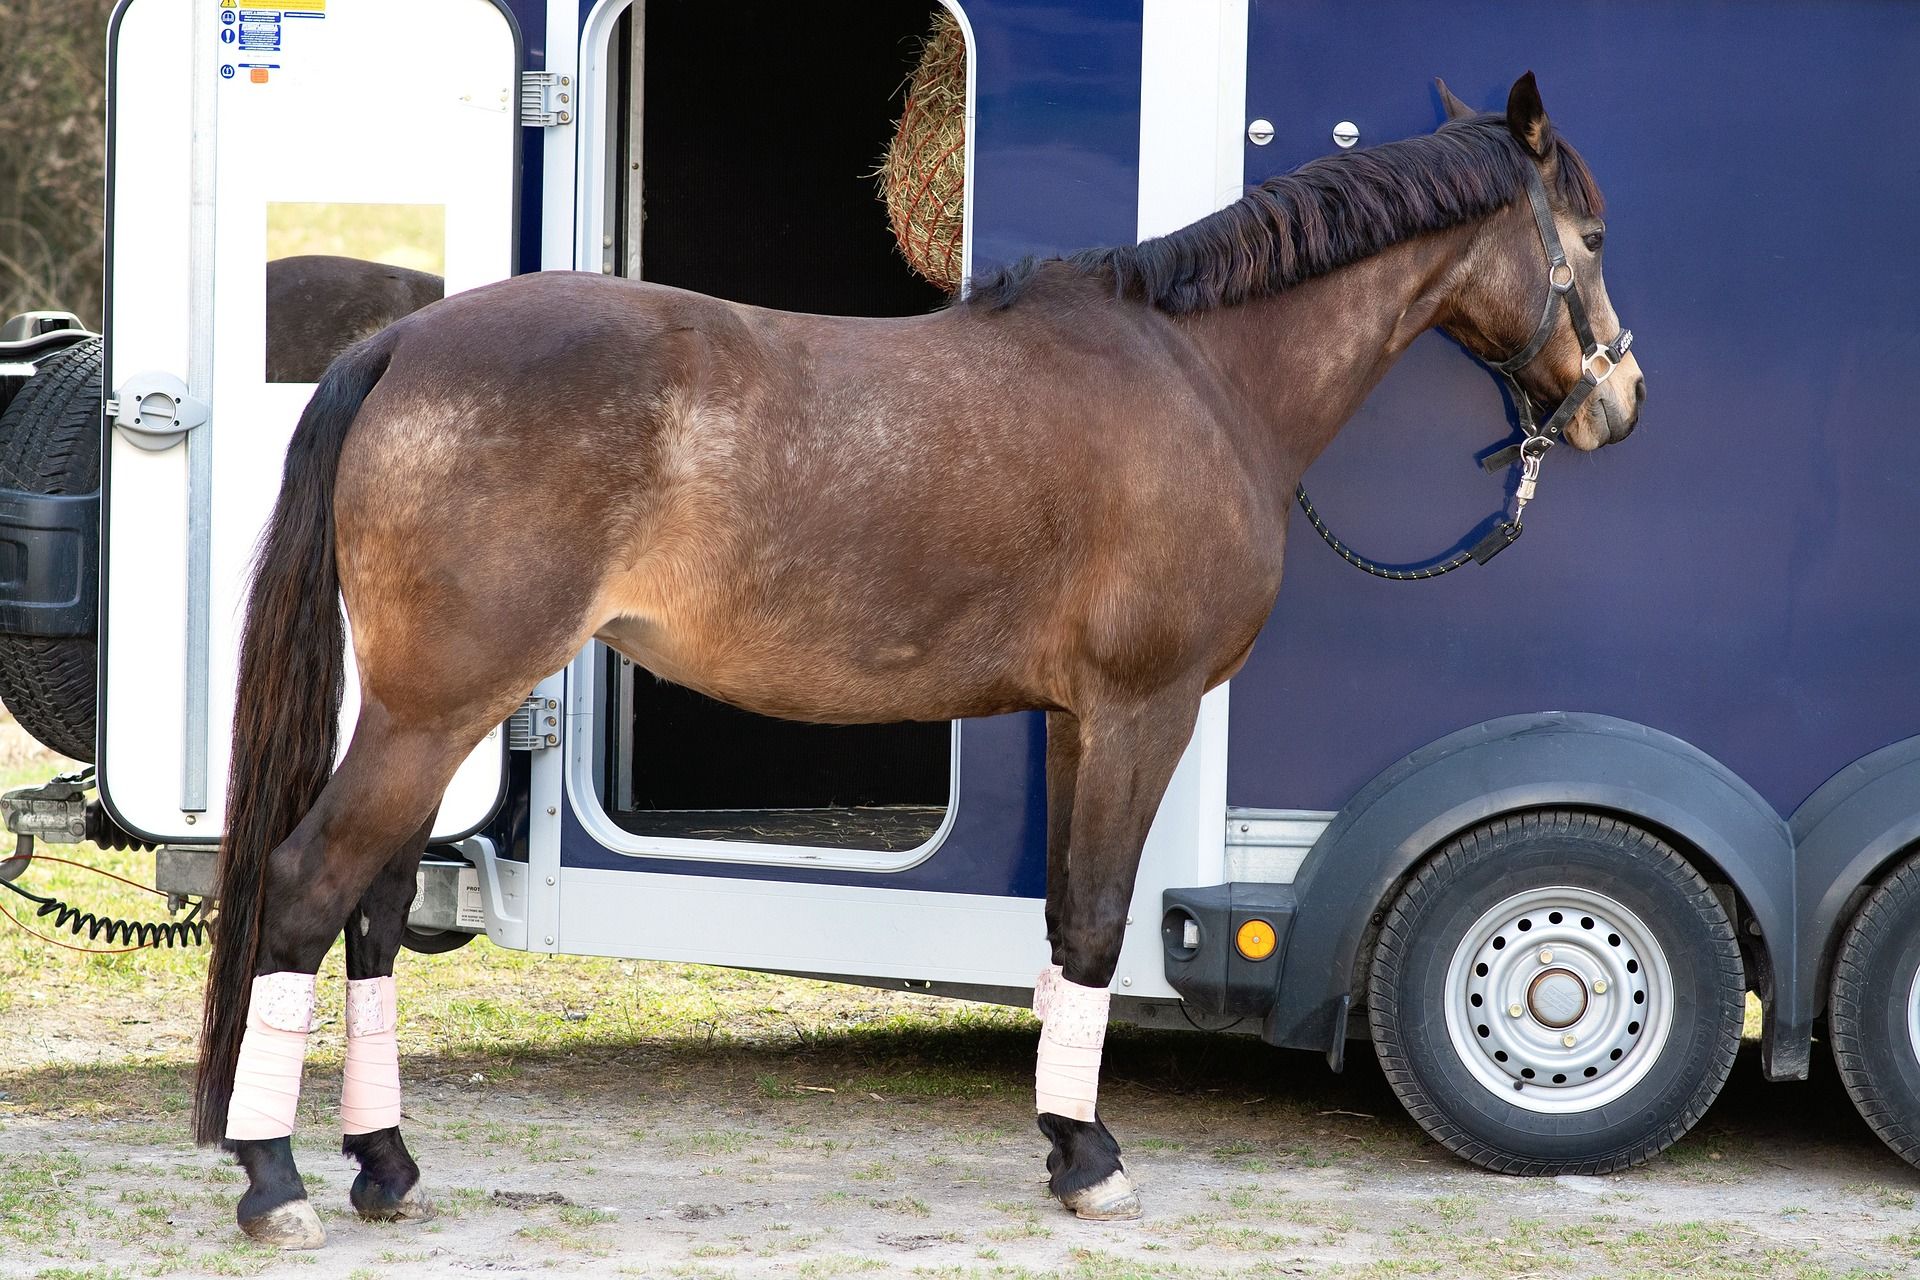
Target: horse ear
x,y
1527,117
1456,109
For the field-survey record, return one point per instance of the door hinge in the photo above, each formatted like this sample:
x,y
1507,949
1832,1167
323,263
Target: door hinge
x,y
546,99
535,726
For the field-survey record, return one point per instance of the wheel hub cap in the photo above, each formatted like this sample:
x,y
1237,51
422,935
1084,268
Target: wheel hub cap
x,y
1559,999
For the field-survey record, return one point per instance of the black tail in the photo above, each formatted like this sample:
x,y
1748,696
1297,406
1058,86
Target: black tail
x,y
286,711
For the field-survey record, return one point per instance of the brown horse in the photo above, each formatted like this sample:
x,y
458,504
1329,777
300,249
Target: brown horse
x,y
1069,492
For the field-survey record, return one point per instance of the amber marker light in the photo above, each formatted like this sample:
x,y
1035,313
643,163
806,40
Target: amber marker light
x,y
1255,939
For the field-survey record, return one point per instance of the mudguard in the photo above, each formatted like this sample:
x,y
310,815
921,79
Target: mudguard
x,y
1548,759
1847,835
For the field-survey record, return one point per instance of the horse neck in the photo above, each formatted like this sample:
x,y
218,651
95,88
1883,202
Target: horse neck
x,y
1300,362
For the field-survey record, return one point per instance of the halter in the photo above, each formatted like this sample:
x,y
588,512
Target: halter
x,y
1597,363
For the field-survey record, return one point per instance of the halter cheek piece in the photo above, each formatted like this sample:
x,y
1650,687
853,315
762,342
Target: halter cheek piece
x,y
1597,363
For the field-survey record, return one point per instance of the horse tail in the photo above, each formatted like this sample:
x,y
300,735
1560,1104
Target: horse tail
x,y
286,710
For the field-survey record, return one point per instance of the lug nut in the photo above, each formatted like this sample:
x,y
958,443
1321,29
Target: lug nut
x,y
1599,986
1569,1040
1514,1010
1546,956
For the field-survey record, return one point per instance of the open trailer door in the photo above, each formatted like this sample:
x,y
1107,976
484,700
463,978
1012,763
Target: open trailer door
x,y
271,199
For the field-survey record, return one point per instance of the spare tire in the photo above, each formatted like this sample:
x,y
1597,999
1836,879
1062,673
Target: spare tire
x,y
50,444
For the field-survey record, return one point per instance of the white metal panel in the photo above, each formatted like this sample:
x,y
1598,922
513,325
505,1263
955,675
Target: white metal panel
x,y
378,102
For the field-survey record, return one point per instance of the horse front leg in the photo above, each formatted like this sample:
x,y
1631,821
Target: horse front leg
x,y
1063,768
388,1186
1128,747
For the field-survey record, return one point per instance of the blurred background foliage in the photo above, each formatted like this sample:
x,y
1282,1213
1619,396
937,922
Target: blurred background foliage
x,y
52,155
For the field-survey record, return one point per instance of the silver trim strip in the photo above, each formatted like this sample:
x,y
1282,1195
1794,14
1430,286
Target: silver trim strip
x,y
204,190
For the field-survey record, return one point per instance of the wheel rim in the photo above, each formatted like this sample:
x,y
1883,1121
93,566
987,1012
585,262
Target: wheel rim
x,y
1913,1014
1554,965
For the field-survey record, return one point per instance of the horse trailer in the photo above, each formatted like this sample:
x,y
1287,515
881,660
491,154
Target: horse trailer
x,y
1535,828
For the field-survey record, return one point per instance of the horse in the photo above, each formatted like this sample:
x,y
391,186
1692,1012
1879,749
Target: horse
x,y
1067,491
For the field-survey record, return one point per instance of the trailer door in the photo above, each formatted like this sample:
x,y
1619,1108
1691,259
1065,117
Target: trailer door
x,y
282,179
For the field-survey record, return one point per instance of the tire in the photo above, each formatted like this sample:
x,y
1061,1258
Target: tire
x,y
50,443
1608,910
1871,1011
434,942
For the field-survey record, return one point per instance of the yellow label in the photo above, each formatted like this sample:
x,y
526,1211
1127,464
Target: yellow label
x,y
281,6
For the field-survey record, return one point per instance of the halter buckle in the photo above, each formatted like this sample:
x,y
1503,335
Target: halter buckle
x,y
1598,364
1532,450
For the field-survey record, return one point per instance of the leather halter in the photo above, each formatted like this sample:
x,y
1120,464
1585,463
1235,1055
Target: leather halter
x,y
1597,362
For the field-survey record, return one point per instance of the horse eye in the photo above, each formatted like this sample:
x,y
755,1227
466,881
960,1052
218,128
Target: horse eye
x,y
1593,240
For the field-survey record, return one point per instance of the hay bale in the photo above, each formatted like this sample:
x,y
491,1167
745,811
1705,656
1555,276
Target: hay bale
x,y
923,178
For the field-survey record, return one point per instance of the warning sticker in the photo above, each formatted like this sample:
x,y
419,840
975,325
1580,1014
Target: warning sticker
x,y
260,30
469,914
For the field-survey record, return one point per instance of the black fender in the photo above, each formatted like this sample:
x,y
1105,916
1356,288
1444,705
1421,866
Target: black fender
x,y
1847,835
1542,760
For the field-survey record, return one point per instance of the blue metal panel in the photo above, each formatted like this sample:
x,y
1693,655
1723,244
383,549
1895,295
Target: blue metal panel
x,y
1739,572
1056,167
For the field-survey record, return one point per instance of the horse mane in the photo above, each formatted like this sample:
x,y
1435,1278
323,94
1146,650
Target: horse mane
x,y
1322,216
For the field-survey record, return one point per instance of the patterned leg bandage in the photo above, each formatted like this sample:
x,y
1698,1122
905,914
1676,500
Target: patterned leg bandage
x,y
370,1089
273,1049
1066,1076
1043,991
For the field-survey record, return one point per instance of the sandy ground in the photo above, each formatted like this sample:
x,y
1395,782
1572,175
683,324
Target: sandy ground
x,y
734,1165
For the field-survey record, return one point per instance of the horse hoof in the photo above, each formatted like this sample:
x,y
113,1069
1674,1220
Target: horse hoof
x,y
293,1225
1112,1199
373,1206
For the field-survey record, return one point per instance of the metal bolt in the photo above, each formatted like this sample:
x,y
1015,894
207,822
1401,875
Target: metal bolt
x,y
1126,982
551,810
1599,986
1546,956
1260,132
566,117
1514,1011
549,879
190,819
1129,919
1345,134
1569,1040
549,939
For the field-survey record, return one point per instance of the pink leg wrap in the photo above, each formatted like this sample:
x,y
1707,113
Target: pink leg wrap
x,y
1043,991
370,1092
266,1080
1066,1076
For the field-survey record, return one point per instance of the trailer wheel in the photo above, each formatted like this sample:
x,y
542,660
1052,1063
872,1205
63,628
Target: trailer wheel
x,y
1874,1011
435,942
1556,992
50,444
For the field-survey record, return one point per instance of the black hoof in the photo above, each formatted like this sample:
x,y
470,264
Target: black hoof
x,y
293,1225
388,1188
274,1210
1084,1170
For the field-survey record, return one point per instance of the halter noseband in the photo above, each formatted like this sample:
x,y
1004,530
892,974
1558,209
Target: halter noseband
x,y
1597,362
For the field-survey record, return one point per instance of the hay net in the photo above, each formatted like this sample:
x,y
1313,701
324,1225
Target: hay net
x,y
923,177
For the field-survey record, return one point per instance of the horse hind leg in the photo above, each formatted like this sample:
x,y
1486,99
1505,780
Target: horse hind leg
x,y
371,815
1128,748
387,1188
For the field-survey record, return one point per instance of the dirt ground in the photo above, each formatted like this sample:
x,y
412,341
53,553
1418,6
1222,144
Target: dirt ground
x,y
744,1161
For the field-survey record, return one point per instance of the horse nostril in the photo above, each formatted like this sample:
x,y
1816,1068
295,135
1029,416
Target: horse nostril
x,y
1639,394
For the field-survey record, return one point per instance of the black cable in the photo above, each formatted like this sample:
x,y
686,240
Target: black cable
x,y
190,932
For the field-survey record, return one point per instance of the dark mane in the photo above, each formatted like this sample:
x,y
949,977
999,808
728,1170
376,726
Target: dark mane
x,y
1325,214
